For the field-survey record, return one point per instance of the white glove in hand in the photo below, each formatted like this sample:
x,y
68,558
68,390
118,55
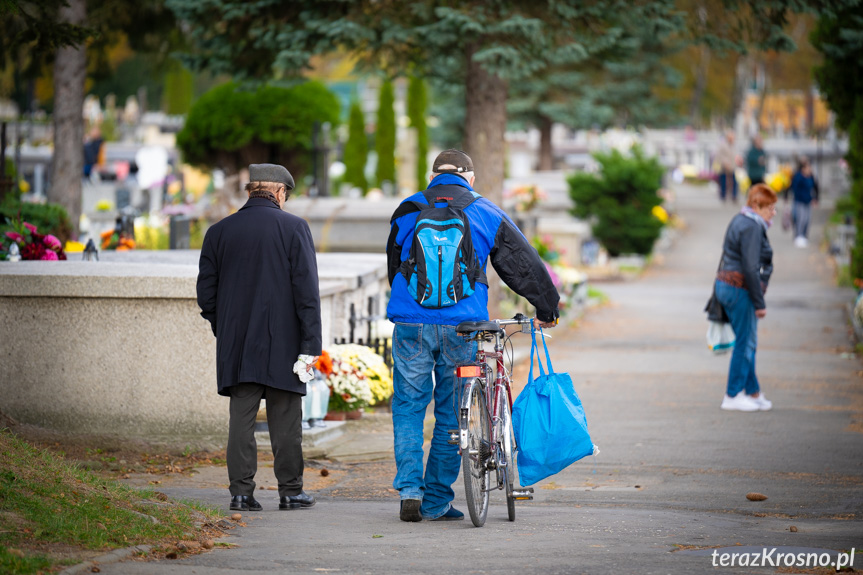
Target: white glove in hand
x,y
303,368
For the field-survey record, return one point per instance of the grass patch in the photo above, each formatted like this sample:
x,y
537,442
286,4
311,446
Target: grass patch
x,y
844,277
47,502
593,293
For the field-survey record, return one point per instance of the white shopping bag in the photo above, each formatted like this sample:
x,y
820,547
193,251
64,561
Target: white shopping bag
x,y
317,398
720,337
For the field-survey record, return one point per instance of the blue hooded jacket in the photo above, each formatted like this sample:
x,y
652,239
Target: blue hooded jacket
x,y
495,236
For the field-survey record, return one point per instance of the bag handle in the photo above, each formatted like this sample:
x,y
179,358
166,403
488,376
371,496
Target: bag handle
x,y
539,359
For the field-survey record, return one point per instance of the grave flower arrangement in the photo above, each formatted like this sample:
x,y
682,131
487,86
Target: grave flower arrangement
x,y
31,244
357,376
114,240
526,197
567,279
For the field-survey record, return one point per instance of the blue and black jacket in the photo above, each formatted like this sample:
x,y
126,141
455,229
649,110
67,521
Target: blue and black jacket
x,y
495,236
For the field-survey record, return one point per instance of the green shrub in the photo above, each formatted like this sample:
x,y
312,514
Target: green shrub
x,y
227,126
48,218
619,201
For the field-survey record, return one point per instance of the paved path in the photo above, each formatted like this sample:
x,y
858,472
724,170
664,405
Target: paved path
x,y
674,469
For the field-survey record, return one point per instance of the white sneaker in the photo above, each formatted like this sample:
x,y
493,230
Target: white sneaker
x,y
740,402
764,404
801,242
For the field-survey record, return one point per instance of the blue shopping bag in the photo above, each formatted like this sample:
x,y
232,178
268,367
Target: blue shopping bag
x,y
549,423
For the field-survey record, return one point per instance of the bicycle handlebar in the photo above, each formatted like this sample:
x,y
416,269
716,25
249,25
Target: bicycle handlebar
x,y
519,319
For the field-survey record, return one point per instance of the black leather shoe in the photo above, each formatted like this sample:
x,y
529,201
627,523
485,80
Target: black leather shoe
x,y
301,501
245,503
410,510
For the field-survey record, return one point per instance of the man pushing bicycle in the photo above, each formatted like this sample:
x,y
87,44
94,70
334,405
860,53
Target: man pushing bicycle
x,y
439,244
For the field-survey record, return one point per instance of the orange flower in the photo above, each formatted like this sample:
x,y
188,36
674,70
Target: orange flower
x,y
324,363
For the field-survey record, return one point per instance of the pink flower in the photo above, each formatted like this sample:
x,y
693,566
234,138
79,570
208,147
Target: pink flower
x,y
30,227
555,279
15,236
49,255
52,242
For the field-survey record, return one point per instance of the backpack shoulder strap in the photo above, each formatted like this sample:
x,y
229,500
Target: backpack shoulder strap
x,y
408,207
454,195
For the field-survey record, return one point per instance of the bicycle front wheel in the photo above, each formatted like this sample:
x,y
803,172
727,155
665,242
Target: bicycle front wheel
x,y
475,457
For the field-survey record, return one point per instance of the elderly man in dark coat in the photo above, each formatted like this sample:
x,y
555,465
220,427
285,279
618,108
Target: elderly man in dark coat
x,y
258,288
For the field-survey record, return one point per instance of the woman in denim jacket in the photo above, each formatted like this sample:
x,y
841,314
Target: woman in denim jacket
x,y
747,262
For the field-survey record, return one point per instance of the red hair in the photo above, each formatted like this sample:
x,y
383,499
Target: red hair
x,y
761,195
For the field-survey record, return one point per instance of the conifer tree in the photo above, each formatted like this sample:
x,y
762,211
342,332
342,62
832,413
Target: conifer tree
x,y
385,138
356,149
417,104
840,79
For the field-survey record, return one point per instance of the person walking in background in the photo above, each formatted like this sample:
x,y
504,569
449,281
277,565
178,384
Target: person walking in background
x,y
726,159
258,288
427,307
741,282
756,161
93,152
804,190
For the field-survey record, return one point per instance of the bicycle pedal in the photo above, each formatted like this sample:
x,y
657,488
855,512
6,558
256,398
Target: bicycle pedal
x,y
525,494
453,437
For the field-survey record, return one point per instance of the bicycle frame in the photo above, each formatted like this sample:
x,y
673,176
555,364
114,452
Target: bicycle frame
x,y
494,378
490,388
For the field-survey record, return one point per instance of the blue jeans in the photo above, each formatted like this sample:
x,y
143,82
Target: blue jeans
x,y
419,350
741,312
727,183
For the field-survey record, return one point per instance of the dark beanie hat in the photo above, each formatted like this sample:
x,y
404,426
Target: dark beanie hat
x,y
271,173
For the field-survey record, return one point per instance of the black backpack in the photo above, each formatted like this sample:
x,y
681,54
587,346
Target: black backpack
x,y
442,268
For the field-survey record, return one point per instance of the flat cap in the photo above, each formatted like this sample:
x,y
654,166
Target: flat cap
x,y
455,161
271,173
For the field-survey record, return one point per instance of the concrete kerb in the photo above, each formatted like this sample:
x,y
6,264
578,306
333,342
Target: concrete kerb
x,y
112,557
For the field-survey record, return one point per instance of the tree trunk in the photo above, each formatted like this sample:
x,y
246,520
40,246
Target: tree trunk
x,y
701,70
546,153
484,126
70,73
742,80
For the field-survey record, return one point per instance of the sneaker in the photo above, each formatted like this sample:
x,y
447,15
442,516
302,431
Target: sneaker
x,y
764,404
740,402
410,510
801,242
452,514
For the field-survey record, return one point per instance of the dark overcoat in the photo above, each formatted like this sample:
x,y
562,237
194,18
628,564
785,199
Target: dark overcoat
x,y
258,288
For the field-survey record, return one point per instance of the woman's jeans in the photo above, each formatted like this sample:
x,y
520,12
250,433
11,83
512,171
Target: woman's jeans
x,y
418,351
801,213
741,312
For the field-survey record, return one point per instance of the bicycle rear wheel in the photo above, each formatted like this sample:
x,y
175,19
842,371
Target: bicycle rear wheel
x,y
475,457
508,444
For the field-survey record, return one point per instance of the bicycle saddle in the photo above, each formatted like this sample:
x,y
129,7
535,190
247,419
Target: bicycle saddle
x,y
472,326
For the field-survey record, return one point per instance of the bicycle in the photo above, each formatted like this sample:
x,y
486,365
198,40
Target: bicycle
x,y
485,435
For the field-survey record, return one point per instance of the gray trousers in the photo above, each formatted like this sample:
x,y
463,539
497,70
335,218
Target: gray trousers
x,y
284,418
801,213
